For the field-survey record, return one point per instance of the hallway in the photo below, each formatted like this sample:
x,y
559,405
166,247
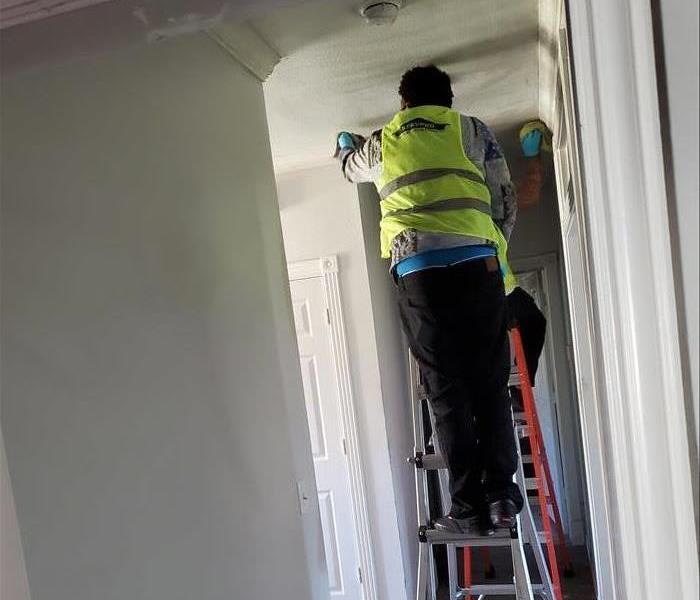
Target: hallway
x,y
167,170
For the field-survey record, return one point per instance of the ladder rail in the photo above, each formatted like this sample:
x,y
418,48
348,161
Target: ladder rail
x,y
445,507
445,502
527,529
529,532
534,421
537,454
521,574
427,582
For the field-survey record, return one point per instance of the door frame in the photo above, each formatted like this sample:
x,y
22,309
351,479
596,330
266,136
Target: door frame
x,y
326,268
635,322
592,417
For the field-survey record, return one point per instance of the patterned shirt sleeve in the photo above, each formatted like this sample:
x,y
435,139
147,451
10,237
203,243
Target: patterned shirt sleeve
x,y
503,194
364,164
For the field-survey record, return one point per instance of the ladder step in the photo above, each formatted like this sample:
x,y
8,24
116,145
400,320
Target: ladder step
x,y
542,537
494,589
429,462
432,462
462,540
531,483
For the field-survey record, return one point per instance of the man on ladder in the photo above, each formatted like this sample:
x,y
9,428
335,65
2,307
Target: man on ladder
x,y
435,172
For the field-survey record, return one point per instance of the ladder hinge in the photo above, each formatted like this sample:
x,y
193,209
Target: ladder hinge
x,y
422,534
328,315
345,447
359,573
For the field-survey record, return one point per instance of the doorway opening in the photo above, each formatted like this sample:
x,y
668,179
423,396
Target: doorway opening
x,y
338,74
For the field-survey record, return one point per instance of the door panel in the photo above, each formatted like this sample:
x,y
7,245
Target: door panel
x,y
330,528
314,415
326,433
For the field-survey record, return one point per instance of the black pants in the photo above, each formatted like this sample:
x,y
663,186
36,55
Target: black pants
x,y
456,324
523,312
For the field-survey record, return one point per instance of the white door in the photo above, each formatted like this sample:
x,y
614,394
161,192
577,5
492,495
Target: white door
x,y
326,431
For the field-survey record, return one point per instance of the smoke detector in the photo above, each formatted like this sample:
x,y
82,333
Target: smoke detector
x,y
381,12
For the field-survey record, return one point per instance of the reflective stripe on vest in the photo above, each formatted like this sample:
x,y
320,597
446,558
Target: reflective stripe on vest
x,y
448,204
425,175
428,183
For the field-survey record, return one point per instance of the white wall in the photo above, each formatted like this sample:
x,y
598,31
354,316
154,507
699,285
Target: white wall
x,y
321,216
13,574
152,421
396,394
679,80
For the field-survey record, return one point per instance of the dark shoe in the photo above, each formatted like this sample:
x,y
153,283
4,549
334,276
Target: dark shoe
x,y
468,523
503,513
504,507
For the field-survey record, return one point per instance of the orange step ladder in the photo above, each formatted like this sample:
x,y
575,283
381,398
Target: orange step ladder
x,y
528,426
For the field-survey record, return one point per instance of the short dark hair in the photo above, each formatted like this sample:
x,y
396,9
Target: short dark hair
x,y
426,85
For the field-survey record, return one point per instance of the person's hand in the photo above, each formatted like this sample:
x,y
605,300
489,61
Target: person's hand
x,y
345,141
531,143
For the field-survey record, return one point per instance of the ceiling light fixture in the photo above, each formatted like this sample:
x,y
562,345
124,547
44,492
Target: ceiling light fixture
x,y
382,12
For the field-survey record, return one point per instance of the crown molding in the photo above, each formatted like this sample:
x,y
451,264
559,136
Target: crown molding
x,y
244,44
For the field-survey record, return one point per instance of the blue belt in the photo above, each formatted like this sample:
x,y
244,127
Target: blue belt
x,y
442,257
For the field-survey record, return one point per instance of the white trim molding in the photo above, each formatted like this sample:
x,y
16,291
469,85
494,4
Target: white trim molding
x,y
549,12
316,267
327,269
246,46
592,419
636,334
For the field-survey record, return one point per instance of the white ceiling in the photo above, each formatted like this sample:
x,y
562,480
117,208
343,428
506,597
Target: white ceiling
x,y
338,73
16,12
39,31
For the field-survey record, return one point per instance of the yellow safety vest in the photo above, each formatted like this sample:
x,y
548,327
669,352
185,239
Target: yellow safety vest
x,y
429,184
510,282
